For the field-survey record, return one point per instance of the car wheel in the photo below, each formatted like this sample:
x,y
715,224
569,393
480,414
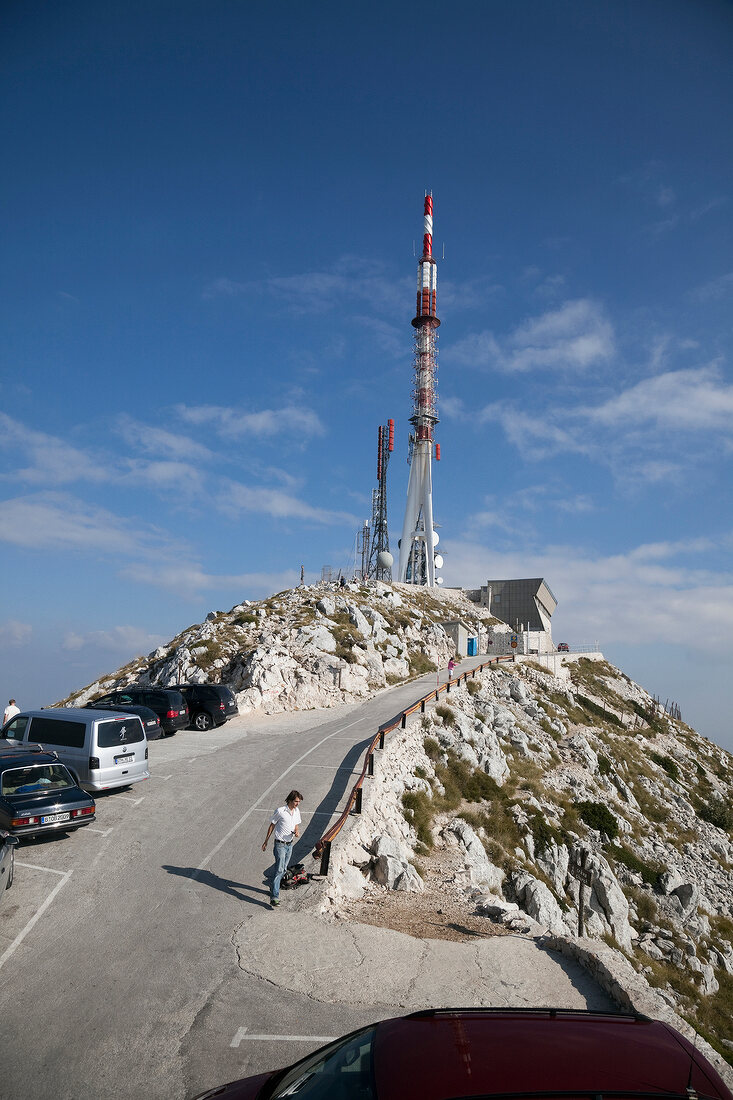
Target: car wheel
x,y
202,721
11,871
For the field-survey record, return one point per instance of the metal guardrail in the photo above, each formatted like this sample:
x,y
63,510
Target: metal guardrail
x,y
323,847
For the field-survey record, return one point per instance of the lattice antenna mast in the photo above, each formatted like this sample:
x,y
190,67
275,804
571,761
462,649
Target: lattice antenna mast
x,y
419,539
380,559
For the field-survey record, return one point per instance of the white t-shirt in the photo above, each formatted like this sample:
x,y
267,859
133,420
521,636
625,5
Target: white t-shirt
x,y
10,711
284,819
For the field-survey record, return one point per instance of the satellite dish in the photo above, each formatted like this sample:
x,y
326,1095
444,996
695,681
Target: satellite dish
x,y
385,559
438,580
436,538
438,561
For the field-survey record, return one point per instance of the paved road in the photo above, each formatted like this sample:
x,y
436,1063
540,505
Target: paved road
x,y
139,956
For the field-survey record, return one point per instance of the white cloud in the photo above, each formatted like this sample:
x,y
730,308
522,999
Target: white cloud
x,y
52,461
14,633
237,498
716,289
350,279
295,420
628,597
59,521
189,580
178,477
159,441
686,400
575,336
120,639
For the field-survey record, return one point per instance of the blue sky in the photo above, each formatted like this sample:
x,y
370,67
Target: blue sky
x,y
209,217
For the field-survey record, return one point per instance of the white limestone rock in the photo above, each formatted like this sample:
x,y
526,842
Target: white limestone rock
x,y
478,865
538,902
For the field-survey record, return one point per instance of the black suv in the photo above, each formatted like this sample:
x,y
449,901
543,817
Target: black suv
x,y
148,717
208,704
168,704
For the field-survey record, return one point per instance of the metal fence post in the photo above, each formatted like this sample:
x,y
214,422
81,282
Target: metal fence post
x,y
381,739
357,804
325,857
370,765
404,721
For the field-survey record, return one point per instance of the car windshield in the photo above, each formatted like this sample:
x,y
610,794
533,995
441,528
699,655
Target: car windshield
x,y
38,777
342,1071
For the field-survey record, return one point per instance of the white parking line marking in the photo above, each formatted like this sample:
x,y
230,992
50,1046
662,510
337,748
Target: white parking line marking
x,y
38,913
35,867
161,776
104,832
207,860
242,1033
126,798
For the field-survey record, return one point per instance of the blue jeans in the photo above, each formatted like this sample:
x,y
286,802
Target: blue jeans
x,y
283,853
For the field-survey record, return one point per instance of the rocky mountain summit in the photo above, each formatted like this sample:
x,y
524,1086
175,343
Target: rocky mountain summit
x,y
570,804
312,646
577,807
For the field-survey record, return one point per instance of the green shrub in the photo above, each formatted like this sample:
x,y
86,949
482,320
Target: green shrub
x,y
418,810
243,618
432,748
448,715
649,872
604,765
473,687
717,812
599,712
543,833
420,663
599,817
668,765
655,721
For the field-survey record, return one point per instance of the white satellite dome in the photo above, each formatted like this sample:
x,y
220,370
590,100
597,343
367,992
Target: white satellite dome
x,y
438,580
385,559
436,538
438,561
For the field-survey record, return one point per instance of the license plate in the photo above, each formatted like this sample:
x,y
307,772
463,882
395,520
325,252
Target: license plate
x,y
50,818
182,713
124,759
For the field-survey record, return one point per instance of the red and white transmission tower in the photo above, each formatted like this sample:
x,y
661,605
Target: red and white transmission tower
x,y
419,539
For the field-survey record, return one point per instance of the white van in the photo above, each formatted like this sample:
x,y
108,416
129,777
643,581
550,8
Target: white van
x,y
103,748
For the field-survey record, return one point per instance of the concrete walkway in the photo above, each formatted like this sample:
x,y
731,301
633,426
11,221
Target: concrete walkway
x,y
343,962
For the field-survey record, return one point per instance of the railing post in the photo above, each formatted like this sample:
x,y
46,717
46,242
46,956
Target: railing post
x,y
381,739
404,721
422,707
325,857
370,764
357,804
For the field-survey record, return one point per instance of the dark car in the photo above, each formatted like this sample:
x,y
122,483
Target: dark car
x,y
7,861
38,794
208,704
563,647
148,717
168,704
497,1053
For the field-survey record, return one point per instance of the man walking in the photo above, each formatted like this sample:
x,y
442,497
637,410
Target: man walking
x,y
285,823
